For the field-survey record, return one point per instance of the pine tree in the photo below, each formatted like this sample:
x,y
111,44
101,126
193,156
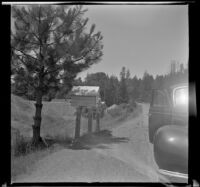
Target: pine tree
x,y
123,93
98,79
50,46
147,86
128,74
112,91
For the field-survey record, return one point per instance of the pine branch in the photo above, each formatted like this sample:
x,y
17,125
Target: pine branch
x,y
58,39
26,23
23,62
48,28
58,27
82,57
28,83
51,23
25,54
71,32
26,41
52,71
62,26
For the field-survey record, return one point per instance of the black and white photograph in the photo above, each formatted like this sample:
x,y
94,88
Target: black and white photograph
x,y
99,93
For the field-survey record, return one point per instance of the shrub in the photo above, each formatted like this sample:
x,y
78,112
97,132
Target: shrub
x,y
24,164
115,110
62,139
22,146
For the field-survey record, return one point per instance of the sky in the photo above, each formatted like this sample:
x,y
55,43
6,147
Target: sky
x,y
140,37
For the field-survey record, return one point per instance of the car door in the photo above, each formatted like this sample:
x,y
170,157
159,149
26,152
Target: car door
x,y
160,112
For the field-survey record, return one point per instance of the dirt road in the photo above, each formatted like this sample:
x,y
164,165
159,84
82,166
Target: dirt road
x,y
120,155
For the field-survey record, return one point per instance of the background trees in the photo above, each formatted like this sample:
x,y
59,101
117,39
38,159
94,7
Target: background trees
x,y
50,46
123,92
112,91
147,83
98,79
128,89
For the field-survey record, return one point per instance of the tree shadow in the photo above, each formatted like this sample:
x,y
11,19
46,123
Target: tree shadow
x,y
97,140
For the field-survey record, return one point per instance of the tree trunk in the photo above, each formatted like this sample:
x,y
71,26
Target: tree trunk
x,y
36,139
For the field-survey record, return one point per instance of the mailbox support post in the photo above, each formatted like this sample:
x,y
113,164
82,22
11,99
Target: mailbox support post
x,y
90,120
97,121
78,122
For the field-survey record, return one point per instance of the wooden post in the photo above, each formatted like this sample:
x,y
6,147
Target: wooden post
x,y
97,121
90,120
78,122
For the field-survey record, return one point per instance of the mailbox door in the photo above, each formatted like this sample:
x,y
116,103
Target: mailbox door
x,y
88,101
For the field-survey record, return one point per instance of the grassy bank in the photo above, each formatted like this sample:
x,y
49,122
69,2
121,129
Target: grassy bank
x,y
57,128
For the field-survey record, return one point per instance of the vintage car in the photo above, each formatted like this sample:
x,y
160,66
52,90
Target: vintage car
x,y
168,131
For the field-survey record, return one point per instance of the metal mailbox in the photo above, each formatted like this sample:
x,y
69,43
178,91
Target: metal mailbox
x,y
87,96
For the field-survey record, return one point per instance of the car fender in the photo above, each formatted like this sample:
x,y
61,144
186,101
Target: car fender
x,y
171,148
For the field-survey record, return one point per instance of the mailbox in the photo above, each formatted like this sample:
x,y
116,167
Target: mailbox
x,y
87,96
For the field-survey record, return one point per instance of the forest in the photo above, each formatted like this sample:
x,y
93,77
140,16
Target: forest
x,y
114,90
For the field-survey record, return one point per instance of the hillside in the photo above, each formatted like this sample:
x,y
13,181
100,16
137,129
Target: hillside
x,y
58,118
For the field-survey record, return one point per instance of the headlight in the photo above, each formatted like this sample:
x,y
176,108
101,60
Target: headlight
x,y
181,96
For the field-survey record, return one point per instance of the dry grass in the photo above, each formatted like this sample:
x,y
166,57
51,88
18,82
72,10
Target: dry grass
x,y
56,117
58,123
24,164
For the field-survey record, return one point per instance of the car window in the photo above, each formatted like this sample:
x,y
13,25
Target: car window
x,y
181,97
160,99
